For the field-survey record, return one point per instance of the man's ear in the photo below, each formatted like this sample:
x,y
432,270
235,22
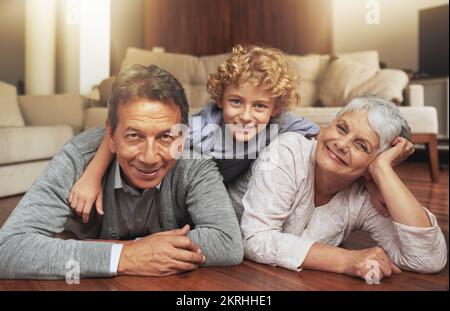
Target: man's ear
x,y
109,132
220,103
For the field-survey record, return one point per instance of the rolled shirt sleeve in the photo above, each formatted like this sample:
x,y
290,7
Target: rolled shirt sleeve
x,y
419,249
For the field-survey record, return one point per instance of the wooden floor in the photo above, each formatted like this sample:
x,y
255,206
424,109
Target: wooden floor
x,y
253,276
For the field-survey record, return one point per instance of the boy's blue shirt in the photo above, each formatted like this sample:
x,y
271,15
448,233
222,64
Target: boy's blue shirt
x,y
208,136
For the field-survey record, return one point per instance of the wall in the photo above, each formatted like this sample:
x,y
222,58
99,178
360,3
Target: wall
x,y
12,38
127,29
395,37
202,27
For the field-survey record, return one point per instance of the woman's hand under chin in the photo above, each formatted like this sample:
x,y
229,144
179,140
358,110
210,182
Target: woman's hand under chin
x,y
401,149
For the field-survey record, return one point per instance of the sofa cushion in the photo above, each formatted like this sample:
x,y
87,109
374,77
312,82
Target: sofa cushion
x,y
31,143
366,58
421,120
181,66
208,65
188,69
18,178
9,107
320,115
308,93
387,83
199,96
309,67
342,77
54,110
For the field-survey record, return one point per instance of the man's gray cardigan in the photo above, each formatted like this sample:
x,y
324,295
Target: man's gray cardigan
x,y
192,193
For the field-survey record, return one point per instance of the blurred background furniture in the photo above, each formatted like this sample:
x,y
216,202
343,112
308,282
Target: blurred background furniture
x,y
32,130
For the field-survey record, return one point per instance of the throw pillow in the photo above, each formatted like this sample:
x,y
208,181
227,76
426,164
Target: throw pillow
x,y
10,112
387,83
366,58
342,77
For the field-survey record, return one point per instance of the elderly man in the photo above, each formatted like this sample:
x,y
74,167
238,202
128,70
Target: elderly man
x,y
147,194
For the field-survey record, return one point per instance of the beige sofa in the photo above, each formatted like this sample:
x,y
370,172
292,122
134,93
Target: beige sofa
x,y
32,130
316,86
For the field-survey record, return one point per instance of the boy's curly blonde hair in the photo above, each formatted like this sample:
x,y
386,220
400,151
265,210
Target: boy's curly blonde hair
x,y
260,66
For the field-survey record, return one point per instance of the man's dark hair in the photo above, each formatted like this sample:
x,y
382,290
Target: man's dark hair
x,y
150,82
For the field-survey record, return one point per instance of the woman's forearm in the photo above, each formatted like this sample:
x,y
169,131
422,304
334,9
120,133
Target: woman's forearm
x,y
325,258
369,264
403,207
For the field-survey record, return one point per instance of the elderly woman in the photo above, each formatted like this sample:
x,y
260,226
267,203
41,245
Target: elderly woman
x,y
305,197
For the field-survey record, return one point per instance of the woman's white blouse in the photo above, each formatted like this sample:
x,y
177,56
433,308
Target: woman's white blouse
x,y
280,222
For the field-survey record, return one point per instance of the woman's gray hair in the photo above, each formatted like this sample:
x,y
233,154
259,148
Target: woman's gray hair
x,y
384,118
150,82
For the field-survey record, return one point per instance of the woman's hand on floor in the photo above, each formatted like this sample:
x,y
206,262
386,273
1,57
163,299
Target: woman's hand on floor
x,y
371,264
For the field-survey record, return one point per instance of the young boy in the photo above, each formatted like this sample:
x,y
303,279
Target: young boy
x,y
251,90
